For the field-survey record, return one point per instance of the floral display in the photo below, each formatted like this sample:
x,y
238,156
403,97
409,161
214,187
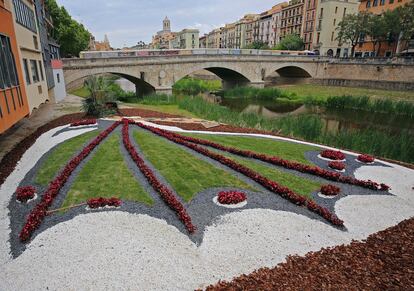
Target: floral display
x,y
231,197
84,122
102,202
39,212
366,159
313,170
24,194
330,190
337,165
272,186
166,194
333,155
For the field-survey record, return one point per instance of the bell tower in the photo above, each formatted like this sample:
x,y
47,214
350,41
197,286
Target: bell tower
x,y
166,25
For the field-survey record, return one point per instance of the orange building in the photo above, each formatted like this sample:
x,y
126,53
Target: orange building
x,y
13,99
366,47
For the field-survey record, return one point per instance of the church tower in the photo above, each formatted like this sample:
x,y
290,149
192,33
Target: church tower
x,y
166,25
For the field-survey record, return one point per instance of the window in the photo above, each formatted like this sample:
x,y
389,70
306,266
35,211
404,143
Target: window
x,y
24,15
332,35
336,9
344,11
26,71
368,4
35,43
334,22
375,3
35,71
318,37
8,72
321,14
41,70
382,3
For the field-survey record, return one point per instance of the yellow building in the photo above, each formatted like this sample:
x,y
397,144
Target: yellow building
x,y
330,13
30,51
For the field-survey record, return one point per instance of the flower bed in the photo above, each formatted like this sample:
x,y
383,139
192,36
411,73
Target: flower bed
x,y
337,165
330,190
333,155
313,170
25,194
367,159
282,191
38,214
84,122
102,202
166,194
231,197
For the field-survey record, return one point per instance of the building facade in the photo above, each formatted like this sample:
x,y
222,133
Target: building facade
x,y
185,39
330,13
14,104
265,27
95,45
30,50
276,13
292,17
203,41
366,46
309,23
163,38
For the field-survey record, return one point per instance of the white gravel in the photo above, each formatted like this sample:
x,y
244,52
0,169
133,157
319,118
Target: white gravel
x,y
42,145
122,251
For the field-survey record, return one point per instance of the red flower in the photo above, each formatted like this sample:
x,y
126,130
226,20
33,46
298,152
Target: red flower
x,y
284,192
84,122
330,190
366,159
333,155
25,193
231,197
166,194
102,202
37,215
337,165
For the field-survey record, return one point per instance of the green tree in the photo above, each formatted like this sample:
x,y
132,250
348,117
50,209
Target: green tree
x,y
257,45
406,17
352,29
377,30
72,36
291,42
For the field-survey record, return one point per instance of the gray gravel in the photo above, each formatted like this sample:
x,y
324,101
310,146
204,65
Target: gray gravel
x,y
202,209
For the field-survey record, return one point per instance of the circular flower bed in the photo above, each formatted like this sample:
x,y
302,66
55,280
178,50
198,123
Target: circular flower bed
x,y
25,194
333,155
231,197
330,190
102,202
366,159
337,165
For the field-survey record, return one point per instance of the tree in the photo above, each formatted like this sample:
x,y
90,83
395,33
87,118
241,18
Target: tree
x,y
377,30
72,36
257,45
291,42
352,29
405,15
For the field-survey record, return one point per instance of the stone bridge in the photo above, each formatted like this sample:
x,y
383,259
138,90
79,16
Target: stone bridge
x,y
160,73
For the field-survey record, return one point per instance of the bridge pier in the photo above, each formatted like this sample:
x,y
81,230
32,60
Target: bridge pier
x,y
164,90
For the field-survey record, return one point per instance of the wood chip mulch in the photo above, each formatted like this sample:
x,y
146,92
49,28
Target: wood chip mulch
x,y
145,113
384,261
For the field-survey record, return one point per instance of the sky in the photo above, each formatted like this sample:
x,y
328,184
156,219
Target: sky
x,y
128,21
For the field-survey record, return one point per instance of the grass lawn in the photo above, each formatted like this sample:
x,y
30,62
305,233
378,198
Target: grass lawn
x,y
286,150
107,175
170,109
81,92
60,156
326,91
297,184
187,174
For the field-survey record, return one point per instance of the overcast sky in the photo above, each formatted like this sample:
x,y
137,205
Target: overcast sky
x,y
128,21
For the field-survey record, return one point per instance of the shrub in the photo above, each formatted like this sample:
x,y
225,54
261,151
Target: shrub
x,y
231,197
337,165
24,194
333,155
84,122
366,159
102,202
330,190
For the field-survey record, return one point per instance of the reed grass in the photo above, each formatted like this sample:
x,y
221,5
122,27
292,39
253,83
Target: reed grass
x,y
192,86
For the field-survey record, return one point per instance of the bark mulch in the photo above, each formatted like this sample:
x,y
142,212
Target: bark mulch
x,y
384,261
231,128
9,161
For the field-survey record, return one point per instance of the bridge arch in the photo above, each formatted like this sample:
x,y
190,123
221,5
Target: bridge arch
x,y
76,79
289,74
231,76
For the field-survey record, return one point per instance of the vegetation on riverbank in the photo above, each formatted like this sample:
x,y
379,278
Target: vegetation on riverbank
x,y
192,86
